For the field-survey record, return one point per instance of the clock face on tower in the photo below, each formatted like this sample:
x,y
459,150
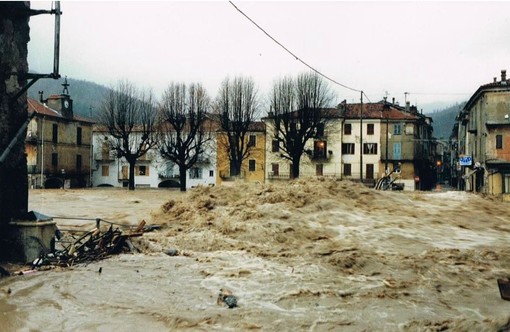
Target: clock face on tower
x,y
66,103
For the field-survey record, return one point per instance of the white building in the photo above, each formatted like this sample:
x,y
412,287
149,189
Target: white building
x,y
151,170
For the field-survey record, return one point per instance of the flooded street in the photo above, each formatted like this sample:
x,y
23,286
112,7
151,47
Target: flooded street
x,y
314,255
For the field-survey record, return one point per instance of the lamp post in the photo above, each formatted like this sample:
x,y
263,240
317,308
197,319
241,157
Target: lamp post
x,y
361,140
386,111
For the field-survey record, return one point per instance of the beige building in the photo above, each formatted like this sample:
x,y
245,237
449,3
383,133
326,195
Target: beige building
x,y
379,137
58,144
484,139
360,142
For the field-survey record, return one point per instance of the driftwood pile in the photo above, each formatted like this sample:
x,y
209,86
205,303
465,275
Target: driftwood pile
x,y
95,244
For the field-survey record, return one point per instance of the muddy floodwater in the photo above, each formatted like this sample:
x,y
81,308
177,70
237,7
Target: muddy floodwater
x,y
307,255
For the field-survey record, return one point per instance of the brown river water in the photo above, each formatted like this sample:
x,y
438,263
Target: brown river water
x,y
310,255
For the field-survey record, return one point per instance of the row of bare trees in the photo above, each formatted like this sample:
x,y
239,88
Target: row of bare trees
x,y
181,124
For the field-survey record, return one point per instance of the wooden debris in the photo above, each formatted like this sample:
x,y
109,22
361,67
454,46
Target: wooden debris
x,y
93,245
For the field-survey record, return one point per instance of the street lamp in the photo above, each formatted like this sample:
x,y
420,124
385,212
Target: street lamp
x,y
386,111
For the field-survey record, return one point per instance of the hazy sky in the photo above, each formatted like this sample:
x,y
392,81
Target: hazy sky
x,y
438,52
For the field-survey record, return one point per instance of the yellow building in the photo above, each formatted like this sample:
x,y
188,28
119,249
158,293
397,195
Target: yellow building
x,y
58,144
252,167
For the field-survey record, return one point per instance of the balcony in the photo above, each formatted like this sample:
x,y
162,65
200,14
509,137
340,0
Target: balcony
x,y
168,175
105,156
31,137
278,176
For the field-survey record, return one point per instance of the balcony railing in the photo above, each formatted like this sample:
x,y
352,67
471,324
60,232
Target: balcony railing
x,y
168,175
278,176
105,156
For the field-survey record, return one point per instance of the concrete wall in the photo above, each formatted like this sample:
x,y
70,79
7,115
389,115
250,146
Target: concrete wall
x,y
14,36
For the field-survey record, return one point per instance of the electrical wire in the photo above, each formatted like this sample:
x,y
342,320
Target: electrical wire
x,y
291,53
320,73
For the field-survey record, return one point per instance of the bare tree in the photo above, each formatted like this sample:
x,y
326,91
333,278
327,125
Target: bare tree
x,y
298,114
237,108
184,127
129,117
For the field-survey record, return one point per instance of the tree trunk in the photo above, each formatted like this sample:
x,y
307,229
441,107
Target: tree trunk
x,y
295,167
235,168
132,175
182,178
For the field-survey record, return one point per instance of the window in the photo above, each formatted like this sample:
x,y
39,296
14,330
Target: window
x,y
347,169
275,146
370,128
142,170
275,169
320,130
319,169
55,133
319,149
397,150
54,159
125,172
105,170
507,184
347,129
348,148
78,135
369,148
195,173
499,141
105,151
251,165
397,129
78,161
252,140
211,173
369,171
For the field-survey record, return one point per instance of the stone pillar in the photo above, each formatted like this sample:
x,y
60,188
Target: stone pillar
x,y
14,37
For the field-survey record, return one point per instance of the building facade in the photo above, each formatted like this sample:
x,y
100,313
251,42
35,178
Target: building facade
x,y
58,144
151,170
253,166
483,139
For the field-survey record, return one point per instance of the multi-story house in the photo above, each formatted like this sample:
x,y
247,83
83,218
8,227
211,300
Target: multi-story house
x,y
151,170
381,137
252,167
364,143
484,138
322,154
58,144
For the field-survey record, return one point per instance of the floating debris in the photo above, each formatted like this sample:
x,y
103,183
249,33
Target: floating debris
x,y
227,298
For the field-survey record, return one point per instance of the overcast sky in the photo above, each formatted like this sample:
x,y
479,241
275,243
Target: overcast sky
x,y
438,52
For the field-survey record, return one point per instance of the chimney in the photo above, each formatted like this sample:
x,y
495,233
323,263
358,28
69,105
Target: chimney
x,y
495,79
408,105
503,75
393,101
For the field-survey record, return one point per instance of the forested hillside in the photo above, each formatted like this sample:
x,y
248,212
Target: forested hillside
x,y
443,120
86,96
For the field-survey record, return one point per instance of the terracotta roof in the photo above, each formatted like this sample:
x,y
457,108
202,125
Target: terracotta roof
x,y
37,107
377,111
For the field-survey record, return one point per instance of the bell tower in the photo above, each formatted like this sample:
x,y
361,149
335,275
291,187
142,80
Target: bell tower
x,y
62,103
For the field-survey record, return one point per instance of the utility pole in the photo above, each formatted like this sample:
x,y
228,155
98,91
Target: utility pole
x,y
386,110
361,140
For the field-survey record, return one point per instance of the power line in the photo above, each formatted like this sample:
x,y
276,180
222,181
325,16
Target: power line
x,y
288,51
